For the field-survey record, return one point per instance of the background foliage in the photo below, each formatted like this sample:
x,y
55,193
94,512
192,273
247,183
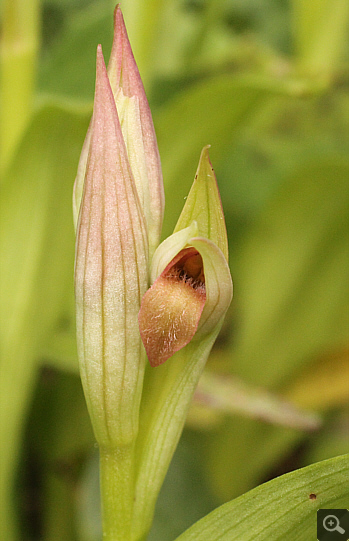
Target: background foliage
x,y
265,82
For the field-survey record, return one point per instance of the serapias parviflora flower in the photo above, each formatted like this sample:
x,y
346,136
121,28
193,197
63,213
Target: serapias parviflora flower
x,y
118,210
192,286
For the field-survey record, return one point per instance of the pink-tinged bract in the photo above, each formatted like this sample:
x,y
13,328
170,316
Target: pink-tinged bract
x,y
111,276
123,74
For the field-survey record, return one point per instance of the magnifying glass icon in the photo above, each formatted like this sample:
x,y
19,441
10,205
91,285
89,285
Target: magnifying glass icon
x,y
331,524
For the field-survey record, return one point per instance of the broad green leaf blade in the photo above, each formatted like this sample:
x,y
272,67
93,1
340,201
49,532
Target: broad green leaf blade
x,y
280,509
19,50
36,260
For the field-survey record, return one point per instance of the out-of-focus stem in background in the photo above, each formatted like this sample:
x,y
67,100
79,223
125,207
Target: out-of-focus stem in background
x,y
20,42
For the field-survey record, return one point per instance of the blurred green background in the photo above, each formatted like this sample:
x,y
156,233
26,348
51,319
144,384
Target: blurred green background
x,y
265,82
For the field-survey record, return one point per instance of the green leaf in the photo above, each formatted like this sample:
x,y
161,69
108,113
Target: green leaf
x,y
18,62
37,254
279,509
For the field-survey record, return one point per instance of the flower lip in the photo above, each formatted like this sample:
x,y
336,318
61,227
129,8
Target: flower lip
x,y
171,309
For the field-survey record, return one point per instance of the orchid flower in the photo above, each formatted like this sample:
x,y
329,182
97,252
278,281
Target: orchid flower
x,y
130,289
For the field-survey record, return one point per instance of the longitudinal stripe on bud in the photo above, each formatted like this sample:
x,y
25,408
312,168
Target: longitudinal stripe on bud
x,y
111,276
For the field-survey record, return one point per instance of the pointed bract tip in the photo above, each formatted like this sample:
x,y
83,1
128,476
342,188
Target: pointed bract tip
x,y
100,57
118,13
119,23
103,91
101,70
204,205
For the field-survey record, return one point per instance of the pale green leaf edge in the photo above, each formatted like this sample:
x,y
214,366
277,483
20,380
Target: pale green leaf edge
x,y
284,508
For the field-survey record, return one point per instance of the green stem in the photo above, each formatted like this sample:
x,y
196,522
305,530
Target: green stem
x,y
117,480
18,56
320,28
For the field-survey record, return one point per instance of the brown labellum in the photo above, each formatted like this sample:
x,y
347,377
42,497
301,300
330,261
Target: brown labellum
x,y
172,307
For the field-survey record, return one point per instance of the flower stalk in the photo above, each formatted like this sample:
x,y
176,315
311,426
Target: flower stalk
x,y
117,479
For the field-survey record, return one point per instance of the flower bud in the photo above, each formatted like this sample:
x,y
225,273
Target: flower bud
x,y
111,276
138,133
